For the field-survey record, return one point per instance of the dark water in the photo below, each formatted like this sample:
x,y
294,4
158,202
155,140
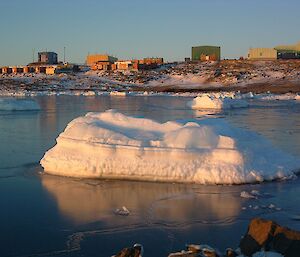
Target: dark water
x,y
42,215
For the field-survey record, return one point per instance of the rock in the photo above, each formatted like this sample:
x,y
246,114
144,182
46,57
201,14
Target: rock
x,y
230,253
196,251
135,251
286,242
249,245
193,248
184,254
268,235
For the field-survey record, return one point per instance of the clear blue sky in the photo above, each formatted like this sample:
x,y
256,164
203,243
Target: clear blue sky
x,y
143,28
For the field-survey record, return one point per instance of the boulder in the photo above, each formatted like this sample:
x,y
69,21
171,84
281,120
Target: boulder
x,y
135,251
193,250
184,254
127,252
268,235
230,253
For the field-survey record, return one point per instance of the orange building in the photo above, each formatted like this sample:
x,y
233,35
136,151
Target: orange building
x,y
6,70
156,60
100,58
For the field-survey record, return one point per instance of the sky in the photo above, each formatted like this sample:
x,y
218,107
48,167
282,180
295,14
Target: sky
x,y
142,28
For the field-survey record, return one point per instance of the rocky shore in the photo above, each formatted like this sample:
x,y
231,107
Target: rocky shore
x,y
264,238
227,75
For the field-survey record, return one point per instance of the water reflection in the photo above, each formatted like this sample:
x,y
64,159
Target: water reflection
x,y
89,201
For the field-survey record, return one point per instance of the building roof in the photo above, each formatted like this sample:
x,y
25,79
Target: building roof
x,y
47,53
204,46
295,47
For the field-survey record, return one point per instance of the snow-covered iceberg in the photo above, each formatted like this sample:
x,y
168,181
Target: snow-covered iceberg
x,y
113,145
213,102
118,93
15,104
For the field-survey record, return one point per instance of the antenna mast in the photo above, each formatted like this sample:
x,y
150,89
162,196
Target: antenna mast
x,y
33,53
64,54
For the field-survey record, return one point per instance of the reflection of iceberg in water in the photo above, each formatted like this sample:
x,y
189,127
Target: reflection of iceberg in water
x,y
89,201
203,113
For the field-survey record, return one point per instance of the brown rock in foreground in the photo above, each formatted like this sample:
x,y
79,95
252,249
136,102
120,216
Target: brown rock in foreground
x,y
196,251
270,236
135,251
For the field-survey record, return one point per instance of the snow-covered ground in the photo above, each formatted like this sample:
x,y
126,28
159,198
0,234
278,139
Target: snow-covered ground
x,y
180,77
113,145
17,104
181,81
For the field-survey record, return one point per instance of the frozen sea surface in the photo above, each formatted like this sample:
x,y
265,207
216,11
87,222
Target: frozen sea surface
x,y
44,215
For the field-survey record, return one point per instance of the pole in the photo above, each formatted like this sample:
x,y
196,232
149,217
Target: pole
x,y
64,54
33,50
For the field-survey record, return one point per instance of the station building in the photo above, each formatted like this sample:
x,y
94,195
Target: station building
x,y
100,61
288,51
262,54
47,58
206,53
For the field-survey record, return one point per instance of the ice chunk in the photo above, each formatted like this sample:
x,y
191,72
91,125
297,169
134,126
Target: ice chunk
x,y
118,93
113,145
213,102
255,192
245,194
123,211
15,104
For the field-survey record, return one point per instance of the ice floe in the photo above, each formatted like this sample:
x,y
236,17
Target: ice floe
x,y
113,145
17,104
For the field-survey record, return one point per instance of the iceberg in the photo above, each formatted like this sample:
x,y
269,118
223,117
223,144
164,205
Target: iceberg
x,y
213,102
14,104
118,93
115,146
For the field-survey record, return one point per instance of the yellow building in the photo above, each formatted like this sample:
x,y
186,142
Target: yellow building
x,y
95,58
50,70
262,54
125,65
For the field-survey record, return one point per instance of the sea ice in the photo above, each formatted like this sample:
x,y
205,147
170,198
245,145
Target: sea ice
x,y
216,102
285,97
16,104
113,145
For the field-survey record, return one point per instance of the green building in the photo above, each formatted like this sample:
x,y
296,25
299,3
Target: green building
x,y
288,51
206,53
